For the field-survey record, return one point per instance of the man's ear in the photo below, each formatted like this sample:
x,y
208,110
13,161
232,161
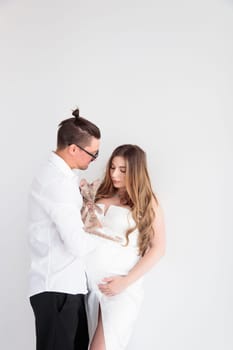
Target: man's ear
x,y
72,149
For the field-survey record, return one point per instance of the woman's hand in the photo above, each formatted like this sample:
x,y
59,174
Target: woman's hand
x,y
113,285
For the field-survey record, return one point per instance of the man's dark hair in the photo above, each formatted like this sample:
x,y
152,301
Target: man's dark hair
x,y
76,130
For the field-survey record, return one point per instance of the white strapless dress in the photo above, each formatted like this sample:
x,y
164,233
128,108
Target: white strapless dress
x,y
111,258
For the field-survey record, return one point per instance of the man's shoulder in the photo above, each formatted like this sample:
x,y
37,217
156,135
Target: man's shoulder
x,y
48,175
47,172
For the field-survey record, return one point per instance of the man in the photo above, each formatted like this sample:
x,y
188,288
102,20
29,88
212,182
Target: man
x,y
57,240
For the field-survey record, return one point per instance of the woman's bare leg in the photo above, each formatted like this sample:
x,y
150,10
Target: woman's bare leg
x,y
98,342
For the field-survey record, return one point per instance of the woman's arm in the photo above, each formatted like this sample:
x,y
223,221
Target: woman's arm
x,y
116,284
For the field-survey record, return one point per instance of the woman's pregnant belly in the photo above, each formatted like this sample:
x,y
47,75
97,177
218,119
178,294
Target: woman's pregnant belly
x,y
109,259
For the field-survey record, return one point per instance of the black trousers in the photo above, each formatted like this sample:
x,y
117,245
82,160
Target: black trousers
x,y
61,322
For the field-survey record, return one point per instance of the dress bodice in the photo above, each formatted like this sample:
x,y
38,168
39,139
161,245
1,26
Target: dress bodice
x,y
116,220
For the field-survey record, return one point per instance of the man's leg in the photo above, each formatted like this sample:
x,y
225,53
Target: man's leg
x,y
57,319
82,336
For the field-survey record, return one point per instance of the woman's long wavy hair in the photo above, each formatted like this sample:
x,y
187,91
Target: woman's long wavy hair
x,y
138,196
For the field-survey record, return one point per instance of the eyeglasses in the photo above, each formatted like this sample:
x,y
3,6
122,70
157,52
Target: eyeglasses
x,y
94,156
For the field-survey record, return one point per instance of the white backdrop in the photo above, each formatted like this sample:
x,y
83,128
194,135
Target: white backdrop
x,y
152,72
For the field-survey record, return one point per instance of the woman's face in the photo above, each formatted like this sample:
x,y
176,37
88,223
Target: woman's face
x,y
117,172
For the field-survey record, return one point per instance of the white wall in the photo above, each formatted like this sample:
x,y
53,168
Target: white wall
x,y
156,73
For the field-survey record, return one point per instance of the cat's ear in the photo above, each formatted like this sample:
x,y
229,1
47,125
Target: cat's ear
x,y
95,184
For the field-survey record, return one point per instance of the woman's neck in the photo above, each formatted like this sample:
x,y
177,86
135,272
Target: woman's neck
x,y
121,195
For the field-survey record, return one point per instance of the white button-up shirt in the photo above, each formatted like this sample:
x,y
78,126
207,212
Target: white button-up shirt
x,y
56,236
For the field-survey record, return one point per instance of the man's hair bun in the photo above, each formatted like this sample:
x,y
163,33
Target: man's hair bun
x,y
75,113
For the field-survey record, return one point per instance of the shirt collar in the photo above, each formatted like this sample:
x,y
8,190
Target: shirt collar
x,y
62,165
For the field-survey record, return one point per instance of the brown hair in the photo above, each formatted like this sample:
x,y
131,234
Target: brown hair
x,y
76,130
139,194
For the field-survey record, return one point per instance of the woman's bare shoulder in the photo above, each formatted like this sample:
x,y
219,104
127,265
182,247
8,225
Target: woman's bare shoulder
x,y
157,207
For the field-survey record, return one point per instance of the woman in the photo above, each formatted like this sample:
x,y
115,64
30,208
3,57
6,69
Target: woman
x,y
131,241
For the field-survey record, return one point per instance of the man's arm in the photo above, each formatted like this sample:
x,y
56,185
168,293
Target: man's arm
x,y
61,202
